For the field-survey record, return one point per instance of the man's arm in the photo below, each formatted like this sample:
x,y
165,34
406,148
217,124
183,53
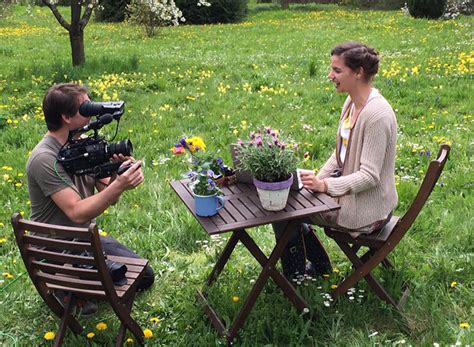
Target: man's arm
x,y
82,211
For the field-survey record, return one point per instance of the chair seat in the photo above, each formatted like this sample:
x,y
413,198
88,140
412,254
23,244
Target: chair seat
x,y
374,240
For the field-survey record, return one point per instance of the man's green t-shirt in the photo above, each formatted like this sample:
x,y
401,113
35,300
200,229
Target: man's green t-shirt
x,y
47,176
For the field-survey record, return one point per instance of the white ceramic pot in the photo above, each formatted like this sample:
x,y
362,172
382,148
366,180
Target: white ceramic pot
x,y
273,195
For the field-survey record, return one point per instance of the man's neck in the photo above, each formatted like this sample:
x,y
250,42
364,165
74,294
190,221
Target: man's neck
x,y
60,135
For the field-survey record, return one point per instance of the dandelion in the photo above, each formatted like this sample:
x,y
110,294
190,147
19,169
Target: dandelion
x,y
3,240
453,284
7,275
235,298
333,286
90,335
148,333
155,320
129,340
50,335
101,326
464,325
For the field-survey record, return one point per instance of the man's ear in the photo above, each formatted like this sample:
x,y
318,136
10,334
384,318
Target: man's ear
x,y
66,119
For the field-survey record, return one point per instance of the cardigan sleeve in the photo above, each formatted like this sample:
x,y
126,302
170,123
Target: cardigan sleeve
x,y
328,167
377,135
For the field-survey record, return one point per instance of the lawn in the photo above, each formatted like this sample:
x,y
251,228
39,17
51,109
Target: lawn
x,y
219,82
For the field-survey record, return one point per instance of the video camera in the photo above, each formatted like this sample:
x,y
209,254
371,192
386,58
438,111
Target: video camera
x,y
91,155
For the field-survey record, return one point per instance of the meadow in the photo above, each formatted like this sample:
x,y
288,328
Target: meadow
x,y
219,82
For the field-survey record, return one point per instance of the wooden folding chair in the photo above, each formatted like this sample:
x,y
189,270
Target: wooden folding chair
x,y
380,243
71,260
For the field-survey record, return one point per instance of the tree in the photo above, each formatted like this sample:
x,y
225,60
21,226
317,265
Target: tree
x,y
76,26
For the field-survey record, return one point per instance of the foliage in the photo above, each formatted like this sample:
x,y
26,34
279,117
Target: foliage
x,y
111,10
4,9
217,11
267,156
455,8
376,4
426,8
152,14
205,167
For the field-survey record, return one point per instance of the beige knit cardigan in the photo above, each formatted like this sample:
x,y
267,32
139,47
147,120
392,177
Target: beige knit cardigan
x,y
366,190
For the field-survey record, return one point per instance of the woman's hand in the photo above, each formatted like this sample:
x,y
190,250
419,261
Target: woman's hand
x,y
311,182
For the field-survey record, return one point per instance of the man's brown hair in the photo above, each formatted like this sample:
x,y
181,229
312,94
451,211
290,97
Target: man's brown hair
x,y
61,99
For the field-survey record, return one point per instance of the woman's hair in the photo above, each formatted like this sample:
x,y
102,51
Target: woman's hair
x,y
357,55
61,99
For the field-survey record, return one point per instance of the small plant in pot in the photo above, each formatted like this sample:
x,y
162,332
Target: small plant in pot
x,y
205,168
271,161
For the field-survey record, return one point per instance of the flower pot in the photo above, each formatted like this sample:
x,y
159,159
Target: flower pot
x,y
207,205
273,195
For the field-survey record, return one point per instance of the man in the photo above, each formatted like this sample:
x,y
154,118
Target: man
x,y
58,198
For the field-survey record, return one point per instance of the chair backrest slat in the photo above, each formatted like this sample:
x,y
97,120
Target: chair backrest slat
x,y
88,274
58,244
432,175
56,257
82,234
67,281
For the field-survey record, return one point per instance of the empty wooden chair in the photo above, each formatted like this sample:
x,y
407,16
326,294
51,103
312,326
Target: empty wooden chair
x,y
71,260
380,243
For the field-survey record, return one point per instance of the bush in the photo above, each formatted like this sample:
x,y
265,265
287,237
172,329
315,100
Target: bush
x,y
152,14
376,4
111,10
220,11
454,8
426,8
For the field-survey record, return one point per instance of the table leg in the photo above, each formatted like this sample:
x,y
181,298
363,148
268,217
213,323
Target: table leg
x,y
229,248
268,268
279,279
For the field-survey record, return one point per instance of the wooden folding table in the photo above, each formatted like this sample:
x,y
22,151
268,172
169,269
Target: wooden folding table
x,y
243,210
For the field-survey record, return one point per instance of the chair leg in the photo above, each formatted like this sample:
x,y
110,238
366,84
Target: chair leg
x,y
123,328
68,306
58,310
356,276
129,323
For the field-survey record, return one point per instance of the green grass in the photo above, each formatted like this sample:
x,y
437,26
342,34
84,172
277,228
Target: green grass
x,y
207,81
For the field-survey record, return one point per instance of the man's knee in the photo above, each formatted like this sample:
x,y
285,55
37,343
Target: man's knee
x,y
148,279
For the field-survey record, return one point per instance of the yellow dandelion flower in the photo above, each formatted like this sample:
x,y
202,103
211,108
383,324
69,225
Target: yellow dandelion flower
x,y
464,325
103,232
3,240
129,340
235,298
335,270
101,326
90,335
50,335
7,275
333,286
325,275
148,333
196,143
18,184
453,284
155,320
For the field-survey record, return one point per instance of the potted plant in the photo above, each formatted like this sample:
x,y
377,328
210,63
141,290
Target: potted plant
x,y
271,161
205,168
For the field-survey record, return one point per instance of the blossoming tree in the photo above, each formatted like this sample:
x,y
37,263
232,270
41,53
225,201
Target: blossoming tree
x,y
79,20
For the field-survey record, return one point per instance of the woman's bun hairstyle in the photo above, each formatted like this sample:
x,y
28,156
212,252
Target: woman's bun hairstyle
x,y
357,55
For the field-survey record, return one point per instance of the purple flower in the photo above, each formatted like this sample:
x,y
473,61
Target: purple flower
x,y
183,143
428,153
258,141
270,145
210,173
240,142
252,134
268,130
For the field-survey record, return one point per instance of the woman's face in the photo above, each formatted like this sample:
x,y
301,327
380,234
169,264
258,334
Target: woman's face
x,y
344,78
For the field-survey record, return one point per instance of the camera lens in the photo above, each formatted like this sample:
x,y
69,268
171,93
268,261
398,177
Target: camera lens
x,y
122,147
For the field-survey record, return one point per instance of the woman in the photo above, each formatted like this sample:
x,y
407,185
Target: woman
x,y
360,172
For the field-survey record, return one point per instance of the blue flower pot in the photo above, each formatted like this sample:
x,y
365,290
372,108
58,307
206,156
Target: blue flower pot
x,y
207,205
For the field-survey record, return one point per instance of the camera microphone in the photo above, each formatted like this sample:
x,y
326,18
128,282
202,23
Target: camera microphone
x,y
97,124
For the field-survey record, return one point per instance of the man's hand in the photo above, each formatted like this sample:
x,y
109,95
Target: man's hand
x,y
311,182
132,177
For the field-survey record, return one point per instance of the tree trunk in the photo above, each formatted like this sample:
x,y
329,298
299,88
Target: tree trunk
x,y
285,4
76,34
76,37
